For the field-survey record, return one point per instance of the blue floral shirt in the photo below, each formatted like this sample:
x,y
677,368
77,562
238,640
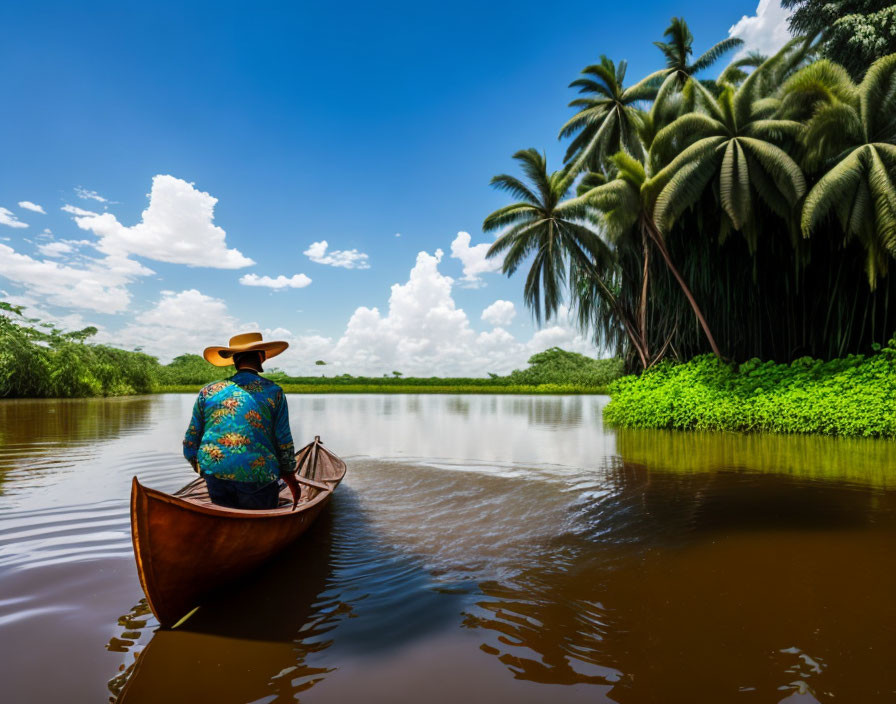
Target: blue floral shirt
x,y
240,430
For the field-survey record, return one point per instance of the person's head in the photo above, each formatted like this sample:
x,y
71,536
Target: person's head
x,y
249,360
245,351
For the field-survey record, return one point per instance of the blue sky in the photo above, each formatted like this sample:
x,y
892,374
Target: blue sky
x,y
307,123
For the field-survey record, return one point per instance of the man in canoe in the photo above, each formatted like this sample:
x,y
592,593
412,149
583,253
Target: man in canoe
x,y
239,439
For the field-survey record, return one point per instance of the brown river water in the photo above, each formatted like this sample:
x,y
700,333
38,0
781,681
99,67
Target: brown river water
x,y
480,549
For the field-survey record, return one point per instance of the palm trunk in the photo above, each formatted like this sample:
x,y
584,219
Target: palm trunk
x,y
643,307
640,344
655,235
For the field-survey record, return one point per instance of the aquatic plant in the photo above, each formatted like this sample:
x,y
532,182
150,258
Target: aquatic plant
x,y
851,396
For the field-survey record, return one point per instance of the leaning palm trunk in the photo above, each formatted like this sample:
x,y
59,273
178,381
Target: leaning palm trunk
x,y
657,237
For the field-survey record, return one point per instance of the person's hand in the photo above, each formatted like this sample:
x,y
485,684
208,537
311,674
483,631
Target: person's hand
x,y
294,488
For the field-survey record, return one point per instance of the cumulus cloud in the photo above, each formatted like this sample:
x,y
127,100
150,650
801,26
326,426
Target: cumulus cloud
x,y
423,332
34,207
499,313
185,322
8,218
33,309
54,249
75,210
99,284
295,281
347,258
766,31
473,259
177,227
89,195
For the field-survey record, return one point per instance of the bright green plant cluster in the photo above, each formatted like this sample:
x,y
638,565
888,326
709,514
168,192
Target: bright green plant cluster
x,y
851,396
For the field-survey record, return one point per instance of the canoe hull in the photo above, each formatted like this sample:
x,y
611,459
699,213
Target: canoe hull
x,y
185,548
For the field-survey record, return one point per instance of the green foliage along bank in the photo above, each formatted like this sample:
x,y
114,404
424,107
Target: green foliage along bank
x,y
37,360
852,396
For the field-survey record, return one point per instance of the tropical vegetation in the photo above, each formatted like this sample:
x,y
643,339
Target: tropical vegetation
x,y
851,396
749,215
40,360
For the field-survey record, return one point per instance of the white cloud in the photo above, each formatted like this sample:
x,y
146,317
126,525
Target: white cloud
x,y
32,309
766,31
187,321
473,259
176,227
99,285
296,281
90,195
347,258
34,207
75,210
398,234
499,313
54,249
424,333
8,218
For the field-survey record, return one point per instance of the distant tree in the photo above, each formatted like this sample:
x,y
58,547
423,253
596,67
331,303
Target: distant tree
x,y
321,363
397,375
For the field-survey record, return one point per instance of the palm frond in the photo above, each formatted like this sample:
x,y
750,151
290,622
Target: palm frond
x,y
714,53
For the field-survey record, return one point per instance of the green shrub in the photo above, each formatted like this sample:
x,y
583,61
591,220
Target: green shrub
x,y
854,395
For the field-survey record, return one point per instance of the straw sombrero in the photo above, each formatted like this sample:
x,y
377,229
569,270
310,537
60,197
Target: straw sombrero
x,y
247,342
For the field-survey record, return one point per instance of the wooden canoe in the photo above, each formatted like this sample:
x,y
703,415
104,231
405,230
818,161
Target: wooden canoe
x,y
186,546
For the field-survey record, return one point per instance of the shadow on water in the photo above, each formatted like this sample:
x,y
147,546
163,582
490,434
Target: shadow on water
x,y
258,638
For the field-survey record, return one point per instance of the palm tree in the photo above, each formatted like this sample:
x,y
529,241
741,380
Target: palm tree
x,y
733,142
608,120
852,135
543,225
680,70
627,205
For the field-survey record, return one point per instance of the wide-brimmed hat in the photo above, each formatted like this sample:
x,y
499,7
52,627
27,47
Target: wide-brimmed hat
x,y
247,342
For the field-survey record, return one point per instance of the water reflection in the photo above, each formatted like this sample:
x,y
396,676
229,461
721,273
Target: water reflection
x,y
484,547
865,461
707,585
265,637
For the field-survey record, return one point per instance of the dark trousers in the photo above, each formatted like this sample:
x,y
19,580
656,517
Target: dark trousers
x,y
249,495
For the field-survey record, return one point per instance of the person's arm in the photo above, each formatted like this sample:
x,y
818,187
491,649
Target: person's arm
x,y
193,436
285,448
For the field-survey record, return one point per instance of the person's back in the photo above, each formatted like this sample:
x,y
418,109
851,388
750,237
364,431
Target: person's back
x,y
239,438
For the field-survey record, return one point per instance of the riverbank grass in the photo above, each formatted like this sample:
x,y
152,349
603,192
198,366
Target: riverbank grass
x,y
852,396
330,388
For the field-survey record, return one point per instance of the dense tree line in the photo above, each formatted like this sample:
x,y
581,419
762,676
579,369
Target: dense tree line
x,y
752,215
39,360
